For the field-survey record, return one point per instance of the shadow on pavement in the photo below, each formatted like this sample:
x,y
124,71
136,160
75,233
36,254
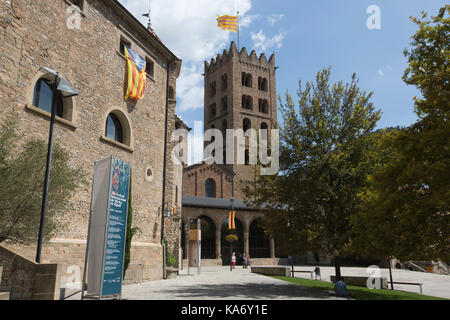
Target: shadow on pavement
x,y
247,291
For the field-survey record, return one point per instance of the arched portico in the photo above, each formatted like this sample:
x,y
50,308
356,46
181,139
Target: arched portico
x,y
214,215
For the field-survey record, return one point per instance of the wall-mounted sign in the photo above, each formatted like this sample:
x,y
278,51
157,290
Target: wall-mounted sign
x,y
107,229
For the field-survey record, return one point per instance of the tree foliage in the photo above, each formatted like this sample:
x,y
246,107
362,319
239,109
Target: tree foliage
x,y
407,209
22,170
326,155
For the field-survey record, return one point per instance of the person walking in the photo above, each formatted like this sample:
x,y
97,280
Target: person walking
x,y
233,260
244,261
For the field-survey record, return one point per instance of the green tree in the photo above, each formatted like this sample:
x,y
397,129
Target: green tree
x,y
22,169
407,210
325,159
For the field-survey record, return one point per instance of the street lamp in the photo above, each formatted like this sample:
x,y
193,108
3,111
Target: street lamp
x,y
66,91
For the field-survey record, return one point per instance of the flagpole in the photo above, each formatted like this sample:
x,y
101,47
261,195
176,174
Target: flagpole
x,y
239,27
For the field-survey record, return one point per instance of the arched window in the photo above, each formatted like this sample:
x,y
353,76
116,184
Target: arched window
x,y
263,84
210,188
247,102
208,238
264,126
247,80
224,104
43,97
224,81
263,106
213,89
247,124
114,129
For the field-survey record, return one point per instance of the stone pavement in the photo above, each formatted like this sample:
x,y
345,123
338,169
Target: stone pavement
x,y
219,283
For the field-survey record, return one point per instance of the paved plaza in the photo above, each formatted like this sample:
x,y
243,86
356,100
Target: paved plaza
x,y
219,283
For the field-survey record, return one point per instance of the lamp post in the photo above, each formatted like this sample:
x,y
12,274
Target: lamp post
x,y
66,91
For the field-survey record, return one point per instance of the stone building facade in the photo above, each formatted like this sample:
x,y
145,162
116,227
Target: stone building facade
x,y
240,93
35,34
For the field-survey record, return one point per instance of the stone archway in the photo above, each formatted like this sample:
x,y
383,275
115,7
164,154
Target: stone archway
x,y
208,249
238,246
259,244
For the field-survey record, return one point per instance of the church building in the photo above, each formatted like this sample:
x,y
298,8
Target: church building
x,y
240,93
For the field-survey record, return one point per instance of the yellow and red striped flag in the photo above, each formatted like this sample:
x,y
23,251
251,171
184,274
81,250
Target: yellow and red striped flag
x,y
228,23
231,220
136,75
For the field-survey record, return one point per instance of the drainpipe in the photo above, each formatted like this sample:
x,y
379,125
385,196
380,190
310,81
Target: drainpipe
x,y
166,129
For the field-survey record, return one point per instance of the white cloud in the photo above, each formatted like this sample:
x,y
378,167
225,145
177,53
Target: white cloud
x,y
382,71
262,43
189,30
274,18
190,88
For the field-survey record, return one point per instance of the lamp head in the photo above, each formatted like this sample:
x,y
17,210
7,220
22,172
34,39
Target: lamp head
x,y
66,89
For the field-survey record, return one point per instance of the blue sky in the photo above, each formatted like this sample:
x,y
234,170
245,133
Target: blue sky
x,y
306,36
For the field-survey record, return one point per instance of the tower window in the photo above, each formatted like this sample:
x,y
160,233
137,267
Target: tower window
x,y
247,124
213,89
224,104
264,126
247,102
263,106
247,79
224,81
263,84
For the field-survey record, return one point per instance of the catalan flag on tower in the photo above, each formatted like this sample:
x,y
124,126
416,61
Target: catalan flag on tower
x,y
231,220
136,75
228,23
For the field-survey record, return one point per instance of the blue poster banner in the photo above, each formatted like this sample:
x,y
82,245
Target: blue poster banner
x,y
116,229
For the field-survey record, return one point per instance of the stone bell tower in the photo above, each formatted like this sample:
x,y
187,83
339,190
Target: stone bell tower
x,y
240,93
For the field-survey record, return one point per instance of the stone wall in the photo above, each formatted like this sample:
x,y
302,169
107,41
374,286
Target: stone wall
x,y
34,34
146,261
27,280
195,177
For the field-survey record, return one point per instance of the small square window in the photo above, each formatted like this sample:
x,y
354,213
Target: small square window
x,y
124,43
150,67
78,3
